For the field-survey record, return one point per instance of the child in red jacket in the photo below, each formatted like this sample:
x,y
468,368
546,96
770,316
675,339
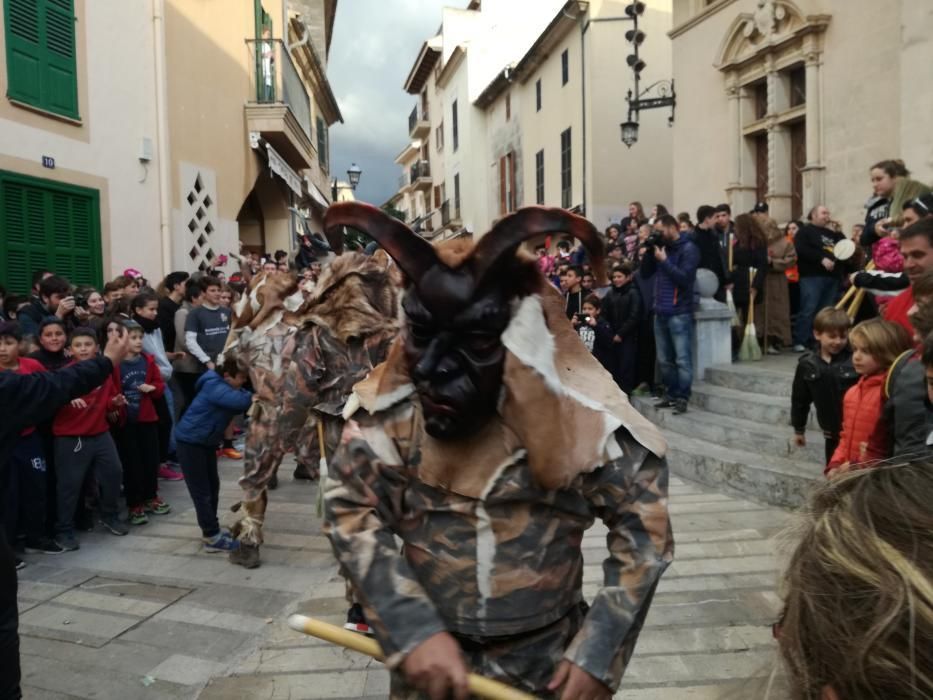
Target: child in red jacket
x,y
82,443
875,345
137,436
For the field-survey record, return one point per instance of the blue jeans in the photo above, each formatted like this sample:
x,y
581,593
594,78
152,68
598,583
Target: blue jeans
x,y
674,338
815,293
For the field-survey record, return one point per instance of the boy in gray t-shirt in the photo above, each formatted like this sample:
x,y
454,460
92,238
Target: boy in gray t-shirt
x,y
207,326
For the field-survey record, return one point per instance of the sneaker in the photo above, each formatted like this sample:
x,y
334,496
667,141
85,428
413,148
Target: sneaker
x,y
168,474
42,545
356,621
138,516
665,403
642,390
20,564
221,542
246,555
115,525
773,350
158,507
67,541
799,348
230,453
680,406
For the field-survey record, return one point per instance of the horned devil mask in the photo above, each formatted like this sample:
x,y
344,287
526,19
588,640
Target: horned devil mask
x,y
458,301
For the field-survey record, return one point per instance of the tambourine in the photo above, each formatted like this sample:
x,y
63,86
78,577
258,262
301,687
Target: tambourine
x,y
844,249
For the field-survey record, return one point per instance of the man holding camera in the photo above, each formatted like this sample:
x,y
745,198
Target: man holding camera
x,y
672,260
55,299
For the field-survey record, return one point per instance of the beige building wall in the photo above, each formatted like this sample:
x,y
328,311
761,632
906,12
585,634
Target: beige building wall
x,y
617,175
116,94
866,98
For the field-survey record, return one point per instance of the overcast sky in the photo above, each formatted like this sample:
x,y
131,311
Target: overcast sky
x,y
374,45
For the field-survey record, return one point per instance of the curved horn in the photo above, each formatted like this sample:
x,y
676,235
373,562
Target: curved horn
x,y
411,252
531,222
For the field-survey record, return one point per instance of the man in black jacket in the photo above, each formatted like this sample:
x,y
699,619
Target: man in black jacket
x,y
820,272
622,308
27,399
712,254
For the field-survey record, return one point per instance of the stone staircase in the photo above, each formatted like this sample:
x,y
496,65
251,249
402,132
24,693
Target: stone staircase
x,y
736,436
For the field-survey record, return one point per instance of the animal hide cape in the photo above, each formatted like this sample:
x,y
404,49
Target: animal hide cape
x,y
558,404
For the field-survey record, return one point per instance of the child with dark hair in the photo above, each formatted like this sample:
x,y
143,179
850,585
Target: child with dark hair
x,y
83,445
137,437
145,306
52,340
595,332
23,480
822,378
220,396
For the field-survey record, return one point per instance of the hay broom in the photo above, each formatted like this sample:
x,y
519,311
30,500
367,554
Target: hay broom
x,y
750,350
730,302
322,467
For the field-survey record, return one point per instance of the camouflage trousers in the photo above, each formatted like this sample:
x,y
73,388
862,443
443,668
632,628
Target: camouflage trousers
x,y
264,451
526,662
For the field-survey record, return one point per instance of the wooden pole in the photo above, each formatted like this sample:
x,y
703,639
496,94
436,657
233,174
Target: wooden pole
x,y
483,687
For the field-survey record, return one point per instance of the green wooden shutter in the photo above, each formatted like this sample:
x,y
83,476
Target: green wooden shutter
x,y
24,50
41,62
48,225
61,79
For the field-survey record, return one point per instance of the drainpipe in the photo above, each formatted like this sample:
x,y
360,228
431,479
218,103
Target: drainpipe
x,y
583,27
162,162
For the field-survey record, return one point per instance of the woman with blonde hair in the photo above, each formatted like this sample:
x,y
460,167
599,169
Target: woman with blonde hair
x,y
858,590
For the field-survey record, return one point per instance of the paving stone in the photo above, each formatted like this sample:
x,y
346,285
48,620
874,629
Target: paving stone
x,y
93,628
305,659
127,657
195,640
656,639
38,591
186,670
109,603
73,679
347,684
197,615
221,596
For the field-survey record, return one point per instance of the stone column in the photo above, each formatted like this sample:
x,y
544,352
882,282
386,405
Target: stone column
x,y
813,190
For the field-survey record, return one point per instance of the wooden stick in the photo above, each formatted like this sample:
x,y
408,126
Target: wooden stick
x,y
483,687
853,291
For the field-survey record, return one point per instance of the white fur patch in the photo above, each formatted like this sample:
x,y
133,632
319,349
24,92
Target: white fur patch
x,y
486,538
386,401
294,302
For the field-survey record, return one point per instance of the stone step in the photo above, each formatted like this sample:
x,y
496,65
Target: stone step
x,y
739,433
764,478
736,403
752,377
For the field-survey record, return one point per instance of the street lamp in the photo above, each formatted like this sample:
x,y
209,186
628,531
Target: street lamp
x,y
666,97
353,176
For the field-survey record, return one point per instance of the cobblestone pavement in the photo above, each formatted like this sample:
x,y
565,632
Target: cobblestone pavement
x,y
152,616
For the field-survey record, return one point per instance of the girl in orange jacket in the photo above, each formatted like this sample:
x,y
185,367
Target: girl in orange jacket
x,y
875,346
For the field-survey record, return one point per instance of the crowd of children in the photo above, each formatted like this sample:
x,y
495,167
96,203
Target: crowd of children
x,y
168,406
871,386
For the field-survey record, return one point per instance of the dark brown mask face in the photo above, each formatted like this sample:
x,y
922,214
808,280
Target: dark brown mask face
x,y
455,361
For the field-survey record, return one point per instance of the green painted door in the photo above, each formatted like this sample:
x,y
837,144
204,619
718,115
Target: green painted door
x,y
50,225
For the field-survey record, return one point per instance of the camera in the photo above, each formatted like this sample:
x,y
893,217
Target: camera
x,y
654,240
582,318
80,300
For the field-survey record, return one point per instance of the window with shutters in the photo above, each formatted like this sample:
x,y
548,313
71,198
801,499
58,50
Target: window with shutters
x,y
539,177
457,196
538,95
322,143
454,127
507,198
40,55
566,193
565,67
48,225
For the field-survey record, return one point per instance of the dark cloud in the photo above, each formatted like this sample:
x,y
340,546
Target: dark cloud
x,y
374,45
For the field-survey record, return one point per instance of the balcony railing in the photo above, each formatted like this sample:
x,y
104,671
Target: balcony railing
x,y
416,122
445,212
274,79
402,181
420,169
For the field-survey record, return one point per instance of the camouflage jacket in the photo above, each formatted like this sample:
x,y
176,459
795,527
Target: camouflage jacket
x,y
501,560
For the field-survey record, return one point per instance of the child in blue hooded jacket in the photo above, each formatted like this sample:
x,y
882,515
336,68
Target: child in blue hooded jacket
x,y
220,396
